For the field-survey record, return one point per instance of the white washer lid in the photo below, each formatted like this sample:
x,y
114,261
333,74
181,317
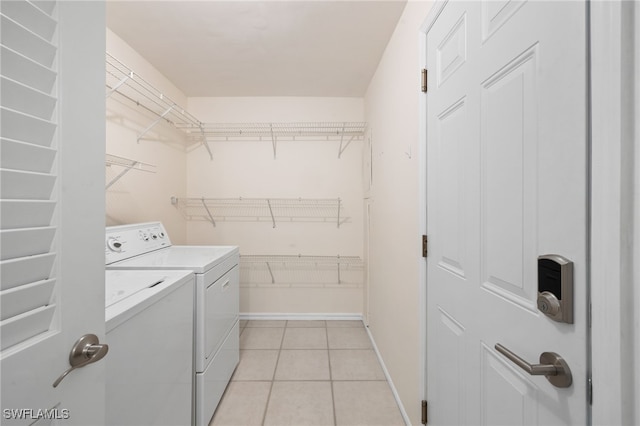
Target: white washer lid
x,y
128,292
121,284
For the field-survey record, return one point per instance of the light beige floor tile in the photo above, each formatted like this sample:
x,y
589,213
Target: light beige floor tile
x,y
366,404
300,404
355,364
256,364
344,323
261,338
306,364
348,338
243,404
243,323
305,338
266,323
306,323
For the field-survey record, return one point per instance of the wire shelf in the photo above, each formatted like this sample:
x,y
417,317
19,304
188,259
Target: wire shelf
x,y
127,165
271,210
124,81
299,270
345,132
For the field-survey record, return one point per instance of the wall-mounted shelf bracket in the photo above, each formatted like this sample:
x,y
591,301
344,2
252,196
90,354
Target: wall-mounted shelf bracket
x,y
345,147
152,125
120,83
204,204
205,142
273,219
128,165
274,140
273,280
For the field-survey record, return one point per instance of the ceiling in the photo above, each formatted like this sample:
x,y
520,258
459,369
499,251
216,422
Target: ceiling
x,y
260,48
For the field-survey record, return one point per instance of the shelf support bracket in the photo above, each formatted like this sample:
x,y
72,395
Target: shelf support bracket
x,y
122,173
273,219
120,83
273,280
213,222
274,141
339,278
144,132
205,142
342,149
339,203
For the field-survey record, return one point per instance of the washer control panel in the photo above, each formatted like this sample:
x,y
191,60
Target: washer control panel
x,y
127,241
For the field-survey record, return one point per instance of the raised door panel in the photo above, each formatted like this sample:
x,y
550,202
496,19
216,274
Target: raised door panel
x,y
449,402
509,169
452,51
450,177
508,397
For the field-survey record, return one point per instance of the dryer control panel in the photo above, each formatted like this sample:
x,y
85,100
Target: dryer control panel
x,y
127,241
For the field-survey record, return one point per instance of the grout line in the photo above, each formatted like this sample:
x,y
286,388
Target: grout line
x,y
273,378
333,398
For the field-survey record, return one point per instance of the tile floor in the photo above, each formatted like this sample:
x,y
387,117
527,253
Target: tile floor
x,y
302,373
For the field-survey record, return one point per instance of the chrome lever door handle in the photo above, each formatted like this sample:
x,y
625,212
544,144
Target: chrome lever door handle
x,y
86,350
552,366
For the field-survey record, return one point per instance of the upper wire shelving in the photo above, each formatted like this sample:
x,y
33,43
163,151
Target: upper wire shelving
x,y
123,80
343,131
272,210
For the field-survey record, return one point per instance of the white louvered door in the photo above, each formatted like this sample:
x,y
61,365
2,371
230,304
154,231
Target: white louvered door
x,y
51,208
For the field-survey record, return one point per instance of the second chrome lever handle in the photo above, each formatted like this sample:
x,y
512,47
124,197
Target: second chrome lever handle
x,y
552,366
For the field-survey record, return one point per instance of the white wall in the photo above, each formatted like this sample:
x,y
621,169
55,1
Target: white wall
x,y
306,169
391,106
140,196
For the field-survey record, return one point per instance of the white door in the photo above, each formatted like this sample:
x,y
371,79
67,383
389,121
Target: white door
x,y
52,209
506,182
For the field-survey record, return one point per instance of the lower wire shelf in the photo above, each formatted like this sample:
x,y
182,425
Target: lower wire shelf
x,y
300,271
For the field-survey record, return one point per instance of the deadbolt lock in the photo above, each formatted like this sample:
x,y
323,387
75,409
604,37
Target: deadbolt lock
x,y
549,304
555,287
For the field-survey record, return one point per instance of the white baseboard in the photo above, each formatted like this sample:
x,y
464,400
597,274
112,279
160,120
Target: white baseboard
x,y
293,317
403,412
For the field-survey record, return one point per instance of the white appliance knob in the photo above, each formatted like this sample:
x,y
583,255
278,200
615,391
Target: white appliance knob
x,y
154,236
162,235
114,244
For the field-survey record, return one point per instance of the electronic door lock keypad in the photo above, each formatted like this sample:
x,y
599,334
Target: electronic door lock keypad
x,y
555,287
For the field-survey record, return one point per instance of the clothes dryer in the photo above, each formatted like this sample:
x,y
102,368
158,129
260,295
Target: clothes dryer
x,y
217,300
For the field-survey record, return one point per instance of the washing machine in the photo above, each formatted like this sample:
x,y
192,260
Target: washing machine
x,y
216,349
149,330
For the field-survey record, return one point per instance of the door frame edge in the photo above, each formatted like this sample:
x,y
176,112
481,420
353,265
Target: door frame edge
x,y
433,14
613,148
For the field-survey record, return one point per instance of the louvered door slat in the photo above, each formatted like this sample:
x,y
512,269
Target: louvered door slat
x,y
28,201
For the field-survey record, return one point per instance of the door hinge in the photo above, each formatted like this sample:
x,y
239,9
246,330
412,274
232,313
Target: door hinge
x,y
424,246
424,412
424,80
